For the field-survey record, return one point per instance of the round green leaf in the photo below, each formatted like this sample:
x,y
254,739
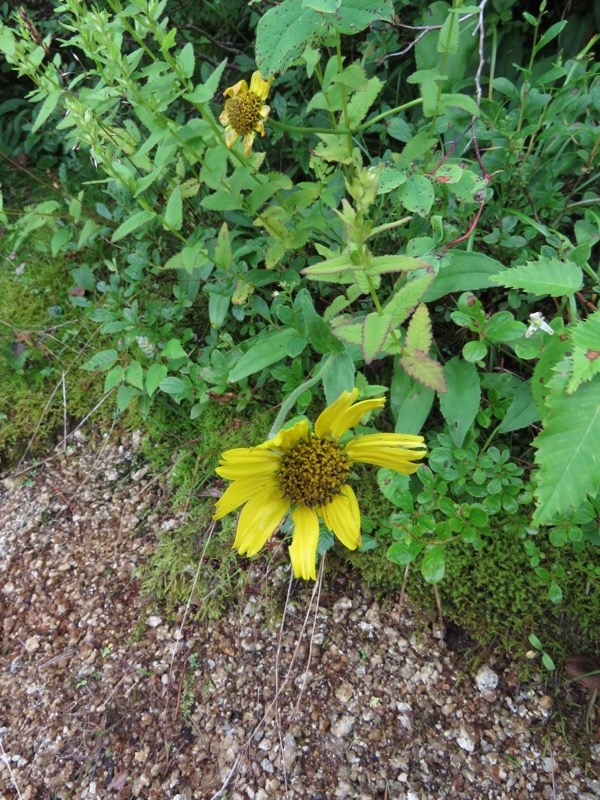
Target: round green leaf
x,y
433,566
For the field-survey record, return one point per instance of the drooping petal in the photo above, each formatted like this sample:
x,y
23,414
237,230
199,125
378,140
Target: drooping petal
x,y
253,464
351,416
303,550
342,516
248,142
240,86
258,519
328,417
392,450
288,437
230,137
237,493
259,86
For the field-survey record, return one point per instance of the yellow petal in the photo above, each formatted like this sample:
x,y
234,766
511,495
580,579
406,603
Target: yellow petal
x,y
258,519
238,87
351,416
260,463
224,116
248,142
328,417
394,451
230,137
239,492
288,437
303,550
265,111
259,86
342,516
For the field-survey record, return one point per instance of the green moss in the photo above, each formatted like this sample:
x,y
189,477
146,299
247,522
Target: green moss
x,y
41,348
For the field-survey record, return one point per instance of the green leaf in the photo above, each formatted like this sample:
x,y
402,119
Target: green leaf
x,y
46,109
546,276
173,386
154,377
323,6
401,305
355,15
460,101
555,594
267,349
522,412
503,327
101,361
186,60
222,200
552,32
403,552
474,351
425,370
132,224
376,328
417,195
339,377
223,256
410,402
218,306
282,34
113,378
448,36
337,270
585,337
125,394
418,334
567,451
394,487
174,350
362,101
205,91
134,375
174,212
380,265
462,271
548,663
317,330
390,178
459,406
433,566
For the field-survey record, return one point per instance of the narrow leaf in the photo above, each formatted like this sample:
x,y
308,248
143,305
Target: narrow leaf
x,y
132,224
460,404
269,349
375,330
462,271
174,212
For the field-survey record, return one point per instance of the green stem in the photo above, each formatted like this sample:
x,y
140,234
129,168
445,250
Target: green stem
x,y
389,112
388,226
290,400
344,93
300,129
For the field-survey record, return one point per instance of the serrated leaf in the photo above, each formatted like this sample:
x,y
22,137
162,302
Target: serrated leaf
x,y
125,394
376,328
173,350
394,487
380,265
586,351
547,276
401,305
174,211
362,101
460,101
424,370
206,90
134,375
567,451
448,36
418,334
459,406
338,270
101,361
113,378
347,329
187,60
154,377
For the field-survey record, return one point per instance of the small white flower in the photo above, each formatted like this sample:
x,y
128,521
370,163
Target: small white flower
x,y
537,322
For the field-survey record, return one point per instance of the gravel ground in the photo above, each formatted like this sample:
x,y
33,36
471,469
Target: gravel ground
x,y
102,695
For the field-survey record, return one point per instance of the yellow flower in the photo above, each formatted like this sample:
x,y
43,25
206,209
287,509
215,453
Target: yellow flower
x,y
245,113
304,471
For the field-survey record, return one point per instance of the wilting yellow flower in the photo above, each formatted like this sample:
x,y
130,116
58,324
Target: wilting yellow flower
x,y
304,471
245,112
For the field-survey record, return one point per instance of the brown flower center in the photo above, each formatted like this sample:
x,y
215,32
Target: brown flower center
x,y
313,472
244,112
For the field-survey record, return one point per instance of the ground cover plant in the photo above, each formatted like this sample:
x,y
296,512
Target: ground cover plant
x,y
257,205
